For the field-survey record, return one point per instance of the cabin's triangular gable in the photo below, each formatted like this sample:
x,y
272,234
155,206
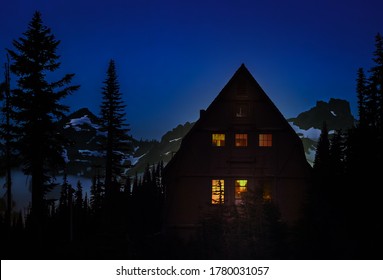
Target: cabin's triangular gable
x,y
241,91
243,88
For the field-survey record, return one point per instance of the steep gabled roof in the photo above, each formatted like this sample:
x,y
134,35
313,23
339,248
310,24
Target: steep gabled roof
x,y
242,80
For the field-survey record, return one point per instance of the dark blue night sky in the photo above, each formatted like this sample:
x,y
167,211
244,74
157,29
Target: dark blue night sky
x,y
173,57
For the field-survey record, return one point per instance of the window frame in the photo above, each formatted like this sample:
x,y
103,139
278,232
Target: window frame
x,y
217,191
237,141
238,190
266,142
215,141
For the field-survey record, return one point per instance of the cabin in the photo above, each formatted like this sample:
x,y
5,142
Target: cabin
x,y
240,142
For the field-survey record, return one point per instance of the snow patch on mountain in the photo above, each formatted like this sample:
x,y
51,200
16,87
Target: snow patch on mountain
x,y
90,153
134,160
174,140
310,155
76,123
310,138
311,133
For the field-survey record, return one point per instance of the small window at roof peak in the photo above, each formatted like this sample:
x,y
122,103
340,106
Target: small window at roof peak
x,y
241,110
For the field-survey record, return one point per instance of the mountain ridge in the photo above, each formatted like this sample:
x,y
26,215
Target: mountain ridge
x,y
336,113
308,124
84,157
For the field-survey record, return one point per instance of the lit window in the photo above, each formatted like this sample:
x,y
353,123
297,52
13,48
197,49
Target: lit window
x,y
218,140
265,140
240,188
217,191
241,140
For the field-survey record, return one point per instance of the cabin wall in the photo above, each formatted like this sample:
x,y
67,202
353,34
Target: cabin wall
x,y
241,107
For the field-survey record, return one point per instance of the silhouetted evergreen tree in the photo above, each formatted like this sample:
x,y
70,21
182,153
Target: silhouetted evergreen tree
x,y
321,160
322,232
78,212
86,205
78,196
64,196
361,89
37,108
144,202
336,153
364,143
159,196
135,185
8,137
116,142
376,81
147,201
65,210
96,195
363,153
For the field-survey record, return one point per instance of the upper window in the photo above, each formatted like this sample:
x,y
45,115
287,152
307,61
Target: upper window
x,y
241,140
265,140
218,139
240,188
217,191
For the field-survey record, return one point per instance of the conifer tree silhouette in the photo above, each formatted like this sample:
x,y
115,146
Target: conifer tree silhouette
x,y
322,155
116,142
6,133
361,90
36,102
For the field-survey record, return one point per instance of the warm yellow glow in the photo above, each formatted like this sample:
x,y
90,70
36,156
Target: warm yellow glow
x,y
241,140
265,140
217,191
267,197
240,187
241,183
218,139
266,193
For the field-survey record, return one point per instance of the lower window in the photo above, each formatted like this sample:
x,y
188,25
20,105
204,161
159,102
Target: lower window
x,y
217,191
240,188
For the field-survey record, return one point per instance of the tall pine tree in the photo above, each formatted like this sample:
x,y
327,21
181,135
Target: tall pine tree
x,y
6,135
376,80
116,142
37,107
361,90
321,160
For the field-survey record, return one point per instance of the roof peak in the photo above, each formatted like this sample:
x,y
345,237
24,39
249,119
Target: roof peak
x,y
243,66
242,71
